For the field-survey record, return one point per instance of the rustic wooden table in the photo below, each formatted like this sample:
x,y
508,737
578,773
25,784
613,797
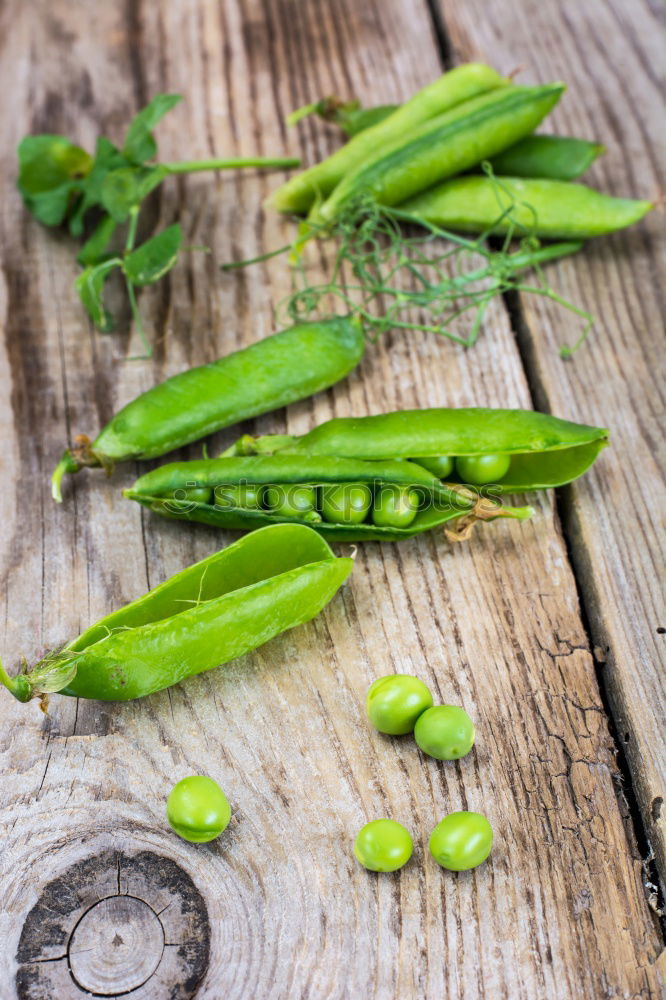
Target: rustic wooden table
x,y
548,632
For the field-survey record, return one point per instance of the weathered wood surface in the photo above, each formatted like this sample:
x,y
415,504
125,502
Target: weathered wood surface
x,y
560,910
612,58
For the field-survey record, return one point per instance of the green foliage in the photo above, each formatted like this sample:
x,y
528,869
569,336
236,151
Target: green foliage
x,y
62,184
153,258
140,144
52,173
90,286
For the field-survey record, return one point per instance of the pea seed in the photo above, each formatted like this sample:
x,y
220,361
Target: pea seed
x,y
394,507
440,465
445,732
243,495
462,840
395,702
346,503
383,846
197,809
292,501
481,470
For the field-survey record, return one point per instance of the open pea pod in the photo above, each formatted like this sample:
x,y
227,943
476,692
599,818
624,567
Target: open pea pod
x,y
206,615
204,491
544,451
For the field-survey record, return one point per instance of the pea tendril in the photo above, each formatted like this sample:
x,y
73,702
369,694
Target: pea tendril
x,y
396,276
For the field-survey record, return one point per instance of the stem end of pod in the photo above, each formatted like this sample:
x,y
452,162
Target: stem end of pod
x,y
80,456
53,673
67,464
484,509
19,685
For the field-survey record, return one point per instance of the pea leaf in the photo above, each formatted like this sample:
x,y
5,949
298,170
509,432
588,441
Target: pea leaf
x,y
90,286
107,158
140,143
149,262
126,187
51,173
93,250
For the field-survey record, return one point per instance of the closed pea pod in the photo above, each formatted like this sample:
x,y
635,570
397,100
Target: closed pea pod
x,y
443,146
559,157
282,368
547,208
210,613
544,451
300,193
424,501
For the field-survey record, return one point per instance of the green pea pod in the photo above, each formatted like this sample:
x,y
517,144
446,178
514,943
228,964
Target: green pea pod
x,y
210,613
166,491
558,157
442,146
545,450
299,194
274,372
545,208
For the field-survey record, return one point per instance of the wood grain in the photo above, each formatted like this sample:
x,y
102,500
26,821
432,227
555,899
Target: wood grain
x,y
495,626
611,57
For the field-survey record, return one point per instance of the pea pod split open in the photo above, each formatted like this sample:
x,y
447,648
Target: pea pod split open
x,y
278,370
545,451
210,613
402,498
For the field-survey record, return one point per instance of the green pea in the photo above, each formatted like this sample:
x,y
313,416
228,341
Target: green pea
x,y
199,494
346,503
197,809
395,702
440,465
482,469
383,846
292,501
462,840
243,495
394,507
445,732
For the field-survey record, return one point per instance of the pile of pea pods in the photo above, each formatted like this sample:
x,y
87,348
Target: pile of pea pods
x,y
424,158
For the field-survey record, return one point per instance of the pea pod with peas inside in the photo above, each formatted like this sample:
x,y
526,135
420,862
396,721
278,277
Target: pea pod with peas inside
x,y
537,450
344,499
278,370
210,613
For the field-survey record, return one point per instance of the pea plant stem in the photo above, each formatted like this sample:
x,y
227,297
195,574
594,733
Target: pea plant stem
x,y
192,166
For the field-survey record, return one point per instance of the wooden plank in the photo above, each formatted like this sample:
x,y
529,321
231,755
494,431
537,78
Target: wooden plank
x,y
610,58
559,911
